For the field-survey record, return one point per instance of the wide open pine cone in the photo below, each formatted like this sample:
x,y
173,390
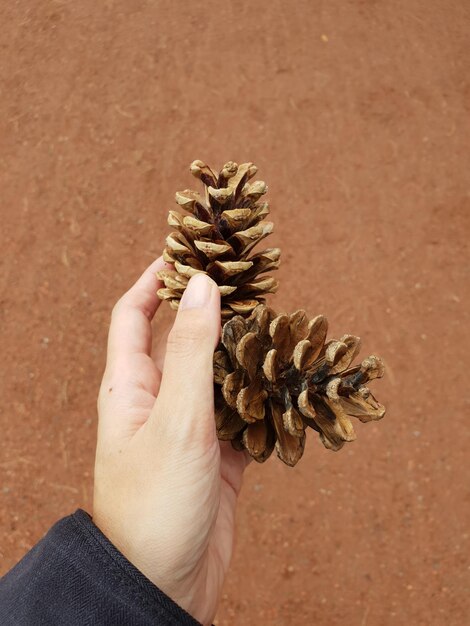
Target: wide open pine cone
x,y
275,375
218,236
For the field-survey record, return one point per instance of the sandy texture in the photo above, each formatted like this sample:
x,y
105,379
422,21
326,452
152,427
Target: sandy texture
x,y
357,114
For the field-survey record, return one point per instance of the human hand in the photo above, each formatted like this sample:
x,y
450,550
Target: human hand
x,y
165,487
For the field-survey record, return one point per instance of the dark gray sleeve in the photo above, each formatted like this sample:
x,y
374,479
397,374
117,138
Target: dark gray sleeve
x,y
74,575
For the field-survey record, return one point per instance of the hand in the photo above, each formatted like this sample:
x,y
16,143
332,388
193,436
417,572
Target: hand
x,y
165,487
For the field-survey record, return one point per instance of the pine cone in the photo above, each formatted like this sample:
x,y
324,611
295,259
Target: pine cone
x,y
275,375
218,237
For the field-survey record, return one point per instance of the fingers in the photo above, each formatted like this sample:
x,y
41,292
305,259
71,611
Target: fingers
x,y
185,402
160,347
130,331
233,464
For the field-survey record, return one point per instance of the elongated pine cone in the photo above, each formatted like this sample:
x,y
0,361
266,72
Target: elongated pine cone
x,y
218,236
276,374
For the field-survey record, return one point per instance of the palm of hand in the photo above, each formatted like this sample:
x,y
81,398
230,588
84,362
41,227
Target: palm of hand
x,y
214,561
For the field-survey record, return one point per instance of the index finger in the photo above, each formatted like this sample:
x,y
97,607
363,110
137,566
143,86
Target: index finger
x,y
130,331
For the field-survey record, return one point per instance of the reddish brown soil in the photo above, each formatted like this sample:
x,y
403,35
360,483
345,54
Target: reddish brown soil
x,y
357,114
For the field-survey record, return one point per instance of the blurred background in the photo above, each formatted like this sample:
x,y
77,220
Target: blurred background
x,y
357,115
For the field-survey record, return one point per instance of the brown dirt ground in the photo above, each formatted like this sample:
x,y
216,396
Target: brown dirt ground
x,y
357,113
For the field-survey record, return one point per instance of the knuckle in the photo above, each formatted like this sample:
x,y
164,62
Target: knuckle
x,y
187,338
118,307
116,310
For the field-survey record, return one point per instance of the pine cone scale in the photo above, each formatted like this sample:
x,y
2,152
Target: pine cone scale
x,y
289,448
258,440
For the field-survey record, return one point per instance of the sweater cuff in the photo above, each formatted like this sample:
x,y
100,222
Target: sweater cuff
x,y
125,579
75,575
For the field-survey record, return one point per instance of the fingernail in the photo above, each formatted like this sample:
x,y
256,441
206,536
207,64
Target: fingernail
x,y
197,294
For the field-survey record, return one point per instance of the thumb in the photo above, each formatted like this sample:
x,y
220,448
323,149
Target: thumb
x,y
185,401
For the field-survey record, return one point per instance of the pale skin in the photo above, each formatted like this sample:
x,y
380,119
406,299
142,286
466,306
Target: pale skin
x,y
165,488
